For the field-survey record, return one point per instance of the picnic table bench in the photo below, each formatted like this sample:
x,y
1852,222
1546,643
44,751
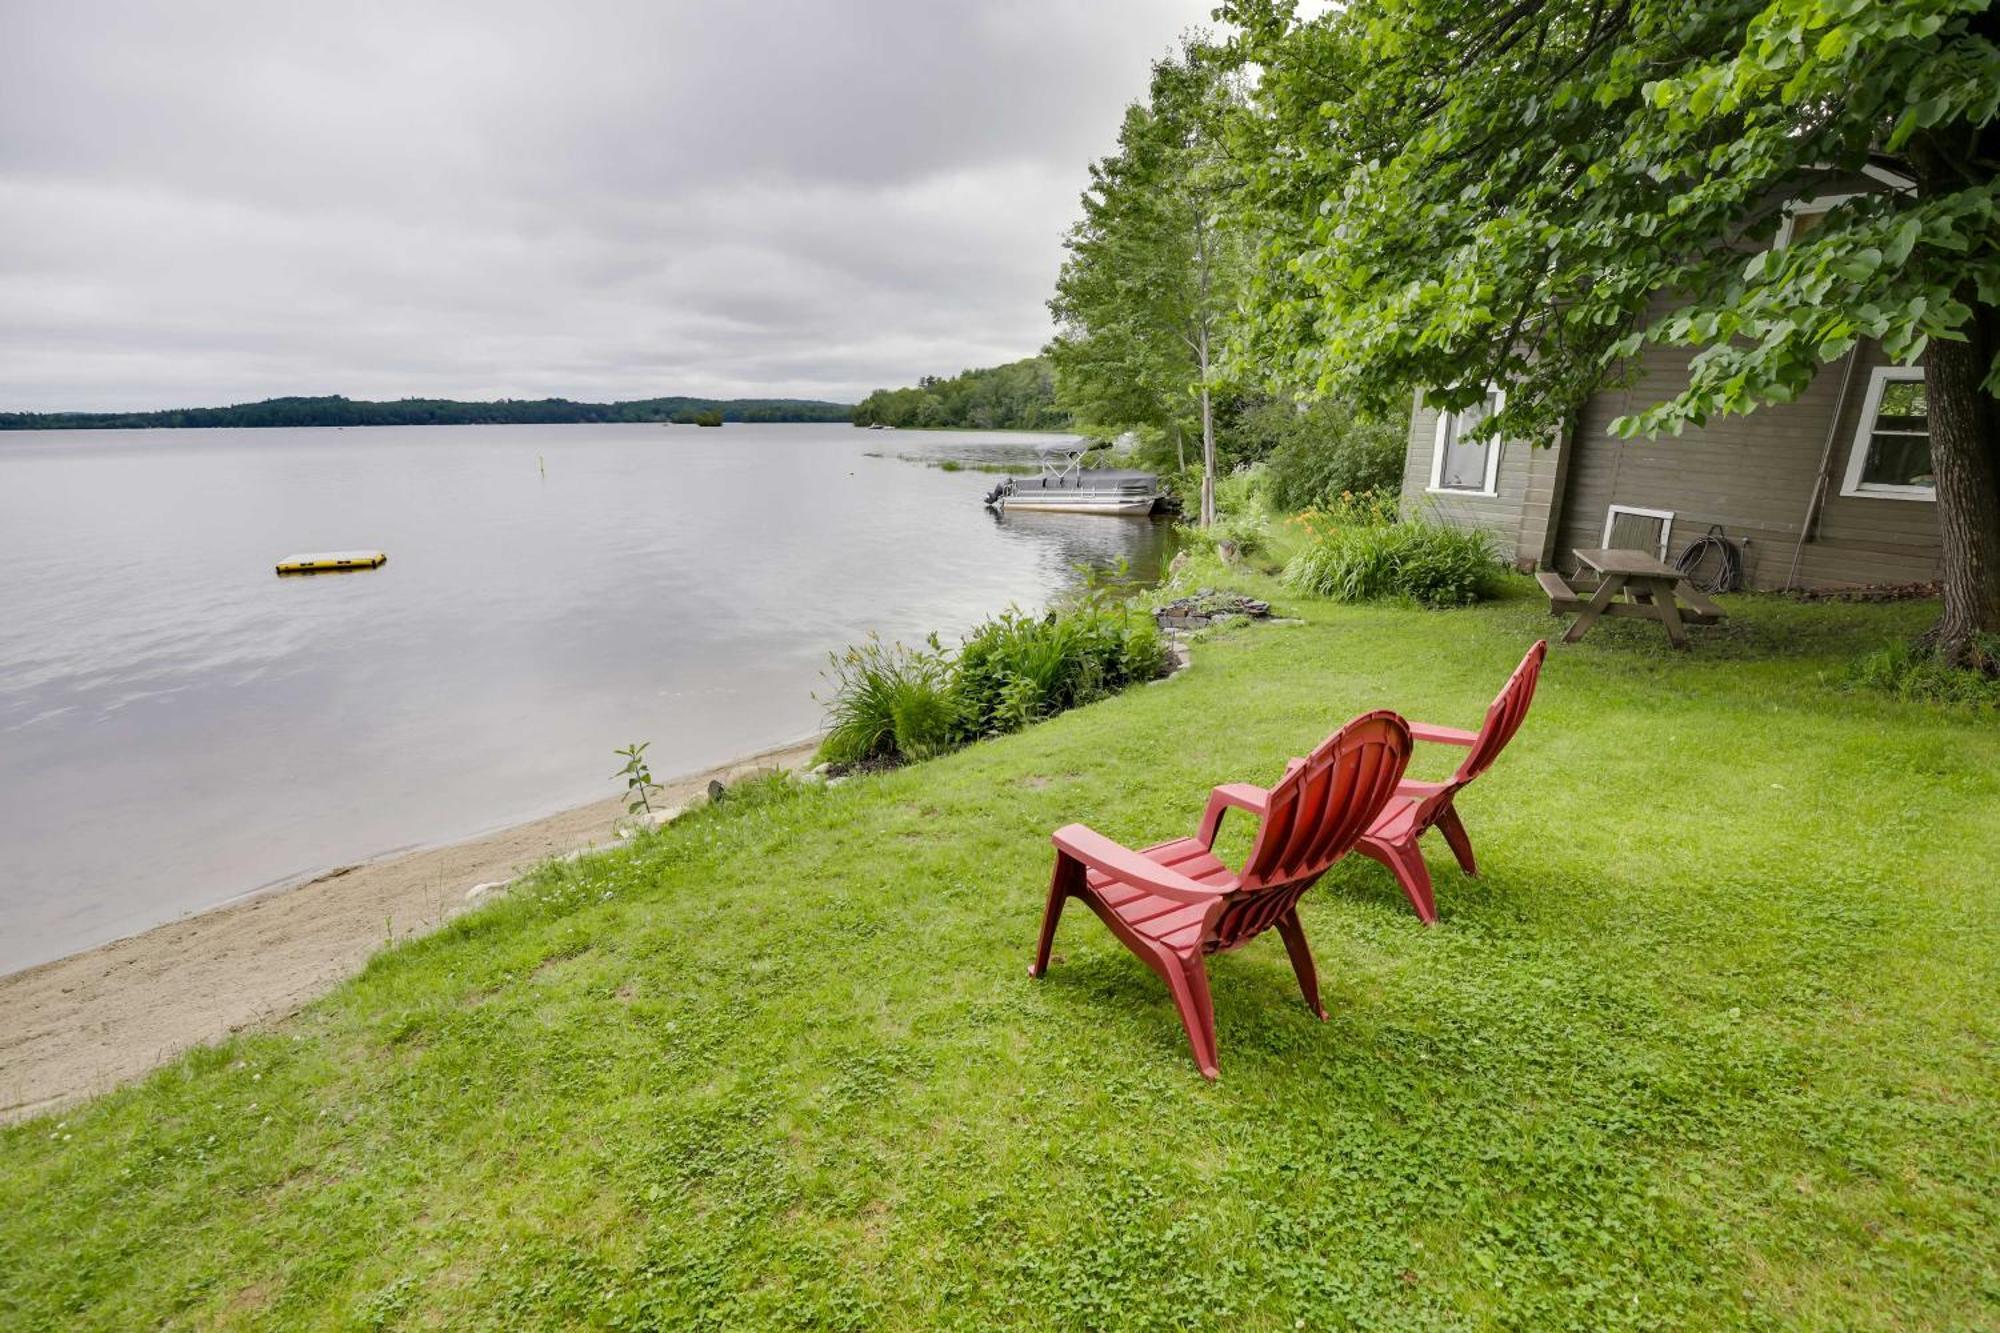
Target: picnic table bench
x,y
1654,590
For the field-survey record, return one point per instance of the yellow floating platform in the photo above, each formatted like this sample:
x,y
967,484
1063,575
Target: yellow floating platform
x,y
326,562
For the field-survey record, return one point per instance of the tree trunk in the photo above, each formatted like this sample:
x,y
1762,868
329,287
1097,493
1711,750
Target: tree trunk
x,y
1207,452
1207,432
1964,417
1201,258
1965,459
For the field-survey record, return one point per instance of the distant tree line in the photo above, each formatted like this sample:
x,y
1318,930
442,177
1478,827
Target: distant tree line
x,y
1020,395
335,410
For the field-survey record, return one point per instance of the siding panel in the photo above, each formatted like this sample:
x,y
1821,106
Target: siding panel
x,y
1753,476
1517,515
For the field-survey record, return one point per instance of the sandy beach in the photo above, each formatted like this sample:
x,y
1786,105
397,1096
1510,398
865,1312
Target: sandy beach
x,y
85,1023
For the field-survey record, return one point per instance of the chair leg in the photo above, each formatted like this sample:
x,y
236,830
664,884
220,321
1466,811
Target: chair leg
x,y
1406,861
1064,882
1294,935
1188,979
1455,836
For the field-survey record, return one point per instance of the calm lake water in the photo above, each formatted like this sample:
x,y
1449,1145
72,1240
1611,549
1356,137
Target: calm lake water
x,y
179,726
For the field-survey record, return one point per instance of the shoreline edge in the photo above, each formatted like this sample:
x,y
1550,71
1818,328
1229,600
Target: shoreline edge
x,y
79,1025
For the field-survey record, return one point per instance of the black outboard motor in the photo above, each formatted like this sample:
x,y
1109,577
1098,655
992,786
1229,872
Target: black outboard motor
x,y
993,496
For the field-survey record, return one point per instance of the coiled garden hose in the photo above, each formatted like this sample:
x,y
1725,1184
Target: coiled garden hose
x,y
1717,549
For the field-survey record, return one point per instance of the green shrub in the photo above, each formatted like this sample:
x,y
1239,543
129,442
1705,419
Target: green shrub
x,y
1329,451
888,702
1242,516
926,722
1357,557
1241,491
1921,676
1016,669
1246,530
1184,485
1144,654
1006,672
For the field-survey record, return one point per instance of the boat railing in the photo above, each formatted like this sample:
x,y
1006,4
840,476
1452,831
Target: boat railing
x,y
1060,464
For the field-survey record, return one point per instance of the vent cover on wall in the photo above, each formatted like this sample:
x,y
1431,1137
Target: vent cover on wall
x,y
1633,529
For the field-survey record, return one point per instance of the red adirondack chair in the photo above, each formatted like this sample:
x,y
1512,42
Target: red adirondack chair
x,y
1173,903
1419,807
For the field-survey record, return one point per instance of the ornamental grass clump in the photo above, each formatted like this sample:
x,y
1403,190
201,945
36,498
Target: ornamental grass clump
x,y
1366,555
888,702
892,704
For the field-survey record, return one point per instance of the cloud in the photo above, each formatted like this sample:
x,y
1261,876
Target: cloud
x,y
209,202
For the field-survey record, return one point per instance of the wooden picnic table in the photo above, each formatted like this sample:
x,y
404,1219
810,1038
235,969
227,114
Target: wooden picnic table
x,y
1654,590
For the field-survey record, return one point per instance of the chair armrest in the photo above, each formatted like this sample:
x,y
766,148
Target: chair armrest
x,y
1424,731
1241,795
1128,867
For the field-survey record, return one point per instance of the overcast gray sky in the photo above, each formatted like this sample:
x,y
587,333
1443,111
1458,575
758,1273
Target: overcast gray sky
x,y
206,202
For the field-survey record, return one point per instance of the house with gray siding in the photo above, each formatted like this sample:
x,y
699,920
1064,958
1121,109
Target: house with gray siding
x,y
1832,489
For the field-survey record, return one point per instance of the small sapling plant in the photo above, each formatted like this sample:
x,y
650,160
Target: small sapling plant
x,y
638,775
1101,586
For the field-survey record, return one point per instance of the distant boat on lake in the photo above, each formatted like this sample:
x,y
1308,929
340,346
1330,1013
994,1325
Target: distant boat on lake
x,y
1065,486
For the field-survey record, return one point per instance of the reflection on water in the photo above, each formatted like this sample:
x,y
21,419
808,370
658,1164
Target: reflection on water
x,y
178,725
1095,541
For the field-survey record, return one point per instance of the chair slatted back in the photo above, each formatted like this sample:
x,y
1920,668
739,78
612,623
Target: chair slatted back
x,y
1505,715
1316,813
1503,718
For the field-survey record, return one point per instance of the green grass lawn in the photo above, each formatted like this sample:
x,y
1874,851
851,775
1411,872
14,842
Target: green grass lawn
x,y
1710,1042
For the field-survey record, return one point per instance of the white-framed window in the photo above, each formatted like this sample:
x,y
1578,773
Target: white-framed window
x,y
1460,466
1802,216
1634,528
1891,454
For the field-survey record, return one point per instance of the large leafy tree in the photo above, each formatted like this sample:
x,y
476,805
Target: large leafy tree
x,y
1155,268
1530,191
